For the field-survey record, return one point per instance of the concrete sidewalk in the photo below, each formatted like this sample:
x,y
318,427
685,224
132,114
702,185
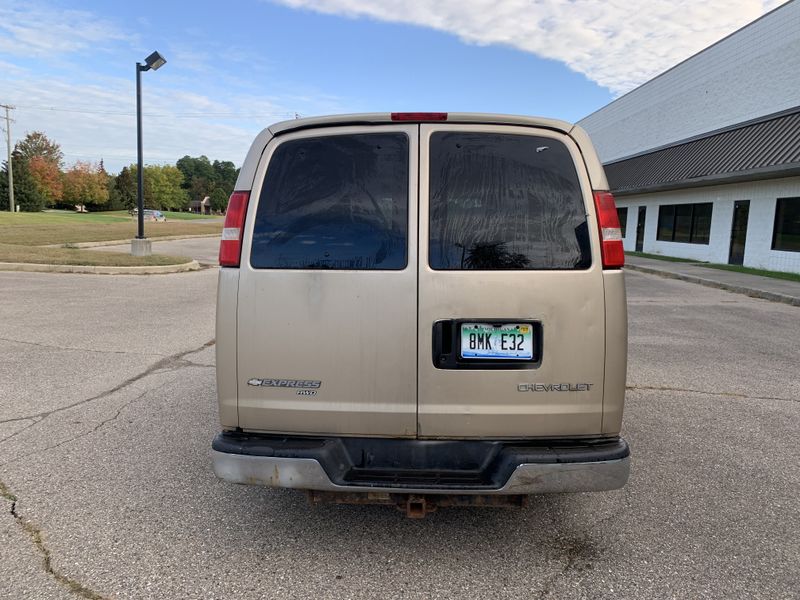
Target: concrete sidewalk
x,y
204,250
776,290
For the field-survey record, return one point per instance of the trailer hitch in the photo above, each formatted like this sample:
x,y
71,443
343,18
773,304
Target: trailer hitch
x,y
417,506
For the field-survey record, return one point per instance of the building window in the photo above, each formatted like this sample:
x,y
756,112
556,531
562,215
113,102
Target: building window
x,y
686,223
623,219
786,233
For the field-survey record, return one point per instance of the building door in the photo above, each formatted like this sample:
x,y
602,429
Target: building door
x,y
640,228
741,210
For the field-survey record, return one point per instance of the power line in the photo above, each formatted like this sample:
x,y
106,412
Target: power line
x,y
131,157
196,115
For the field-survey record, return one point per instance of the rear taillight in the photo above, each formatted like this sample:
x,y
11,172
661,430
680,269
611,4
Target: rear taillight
x,y
419,116
611,250
230,248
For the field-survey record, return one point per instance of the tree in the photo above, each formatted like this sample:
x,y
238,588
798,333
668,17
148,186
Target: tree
x,y
48,178
107,181
26,192
114,198
225,174
195,168
122,191
201,177
162,187
200,188
85,183
165,187
43,157
38,144
219,200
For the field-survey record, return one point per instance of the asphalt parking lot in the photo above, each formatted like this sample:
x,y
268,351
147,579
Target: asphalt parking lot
x,y
107,409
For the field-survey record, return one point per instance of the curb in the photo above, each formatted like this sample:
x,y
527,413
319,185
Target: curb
x,y
164,238
736,289
101,270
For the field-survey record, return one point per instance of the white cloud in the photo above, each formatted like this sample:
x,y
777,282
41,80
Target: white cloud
x,y
58,90
94,121
616,43
35,30
8,68
195,110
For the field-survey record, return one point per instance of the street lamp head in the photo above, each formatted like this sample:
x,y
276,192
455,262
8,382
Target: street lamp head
x,y
155,61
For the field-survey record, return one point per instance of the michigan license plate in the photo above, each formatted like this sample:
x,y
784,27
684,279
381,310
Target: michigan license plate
x,y
512,341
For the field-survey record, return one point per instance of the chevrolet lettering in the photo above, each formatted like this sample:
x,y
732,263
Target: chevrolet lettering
x,y
554,387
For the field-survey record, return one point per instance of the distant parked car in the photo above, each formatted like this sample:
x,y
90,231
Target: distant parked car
x,y
149,215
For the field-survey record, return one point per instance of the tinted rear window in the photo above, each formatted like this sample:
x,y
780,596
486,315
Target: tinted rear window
x,y
334,202
502,201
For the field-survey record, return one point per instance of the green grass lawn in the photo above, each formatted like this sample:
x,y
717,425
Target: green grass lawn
x,y
23,235
662,257
751,271
64,216
736,268
63,227
187,216
115,216
68,256
169,214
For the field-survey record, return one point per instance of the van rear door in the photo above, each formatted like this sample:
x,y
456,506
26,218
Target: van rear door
x,y
327,319
511,307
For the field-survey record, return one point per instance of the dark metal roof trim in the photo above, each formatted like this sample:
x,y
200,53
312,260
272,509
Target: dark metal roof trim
x,y
754,175
757,149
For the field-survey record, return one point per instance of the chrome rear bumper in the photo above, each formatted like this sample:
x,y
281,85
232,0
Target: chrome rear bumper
x,y
525,478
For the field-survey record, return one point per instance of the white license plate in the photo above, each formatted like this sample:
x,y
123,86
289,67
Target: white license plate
x,y
512,341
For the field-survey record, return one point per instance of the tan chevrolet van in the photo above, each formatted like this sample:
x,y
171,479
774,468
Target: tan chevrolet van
x,y
422,309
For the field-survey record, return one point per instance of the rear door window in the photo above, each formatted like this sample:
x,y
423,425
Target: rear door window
x,y
334,202
504,201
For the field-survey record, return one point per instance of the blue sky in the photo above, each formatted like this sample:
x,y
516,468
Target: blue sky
x,y
235,67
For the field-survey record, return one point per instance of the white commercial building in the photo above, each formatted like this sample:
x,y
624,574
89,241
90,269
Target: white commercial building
x,y
704,160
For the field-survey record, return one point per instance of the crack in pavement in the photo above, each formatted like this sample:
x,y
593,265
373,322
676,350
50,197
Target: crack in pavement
x,y
166,364
33,422
656,388
85,433
57,347
35,534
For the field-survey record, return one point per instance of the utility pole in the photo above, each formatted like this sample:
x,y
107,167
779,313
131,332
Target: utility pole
x,y
10,165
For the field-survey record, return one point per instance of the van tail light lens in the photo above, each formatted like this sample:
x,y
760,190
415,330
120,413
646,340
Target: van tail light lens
x,y
419,116
611,250
230,248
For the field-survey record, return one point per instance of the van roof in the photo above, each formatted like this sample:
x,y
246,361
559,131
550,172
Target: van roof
x,y
453,117
595,169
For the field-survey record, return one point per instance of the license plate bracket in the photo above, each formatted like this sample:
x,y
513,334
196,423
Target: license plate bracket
x,y
446,338
489,341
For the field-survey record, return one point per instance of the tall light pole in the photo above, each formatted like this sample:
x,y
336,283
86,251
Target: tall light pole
x,y
140,246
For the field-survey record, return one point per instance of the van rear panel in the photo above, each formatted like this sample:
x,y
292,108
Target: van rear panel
x,y
370,250
327,291
507,239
